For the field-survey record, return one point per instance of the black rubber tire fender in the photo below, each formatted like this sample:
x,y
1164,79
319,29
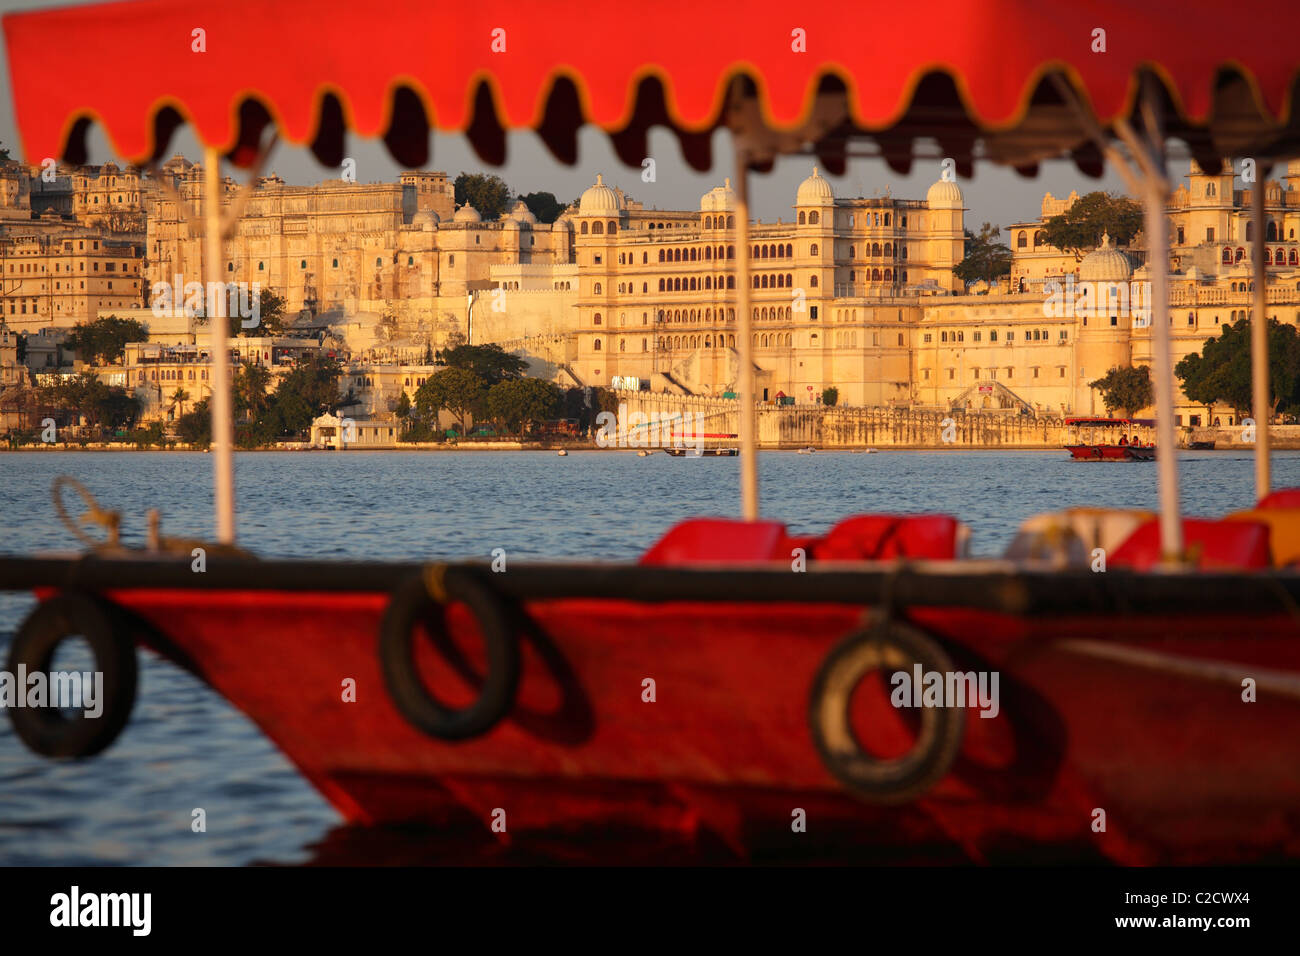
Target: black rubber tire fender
x,y
410,603
891,646
47,730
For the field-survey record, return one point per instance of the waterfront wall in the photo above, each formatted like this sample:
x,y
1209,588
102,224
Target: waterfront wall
x,y
859,427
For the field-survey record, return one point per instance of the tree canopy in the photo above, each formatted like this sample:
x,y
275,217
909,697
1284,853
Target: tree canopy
x,y
270,307
1221,371
103,341
486,193
544,206
515,403
1126,389
1079,229
986,257
491,363
458,390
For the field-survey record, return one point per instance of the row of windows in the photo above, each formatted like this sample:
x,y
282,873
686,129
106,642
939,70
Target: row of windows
x,y
1279,257
598,228
1031,335
993,372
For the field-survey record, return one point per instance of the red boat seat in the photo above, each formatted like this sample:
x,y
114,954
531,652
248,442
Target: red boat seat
x,y
713,540
1283,531
1212,545
882,537
1282,498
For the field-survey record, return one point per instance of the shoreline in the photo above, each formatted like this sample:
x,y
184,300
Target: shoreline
x,y
505,447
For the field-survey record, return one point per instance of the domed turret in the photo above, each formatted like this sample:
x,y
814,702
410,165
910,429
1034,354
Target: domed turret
x,y
600,200
815,191
719,199
1105,264
945,194
425,219
522,214
467,213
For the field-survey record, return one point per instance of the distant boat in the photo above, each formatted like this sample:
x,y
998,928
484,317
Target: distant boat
x,y
703,452
808,450
1086,448
642,453
562,453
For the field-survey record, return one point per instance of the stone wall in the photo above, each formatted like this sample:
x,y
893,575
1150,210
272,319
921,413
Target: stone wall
x,y
856,427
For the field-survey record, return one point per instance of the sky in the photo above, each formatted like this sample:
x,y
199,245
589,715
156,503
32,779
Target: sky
x,y
994,194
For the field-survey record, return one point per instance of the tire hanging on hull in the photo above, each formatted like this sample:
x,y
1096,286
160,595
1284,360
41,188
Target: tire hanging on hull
x,y
890,646
48,730
425,600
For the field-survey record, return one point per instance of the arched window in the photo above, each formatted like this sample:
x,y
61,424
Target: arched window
x,y
1209,189
1240,254
661,285
613,228
596,345
889,275
886,219
1291,257
812,250
1268,256
731,254
1227,256
1040,238
661,255
813,282
708,252
597,228
731,222
875,275
731,282
1271,234
813,218
875,248
1022,240
596,319
695,254
584,229
596,289
802,218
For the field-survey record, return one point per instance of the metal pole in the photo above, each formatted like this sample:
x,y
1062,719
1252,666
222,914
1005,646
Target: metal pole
x,y
745,331
1157,229
223,429
1259,344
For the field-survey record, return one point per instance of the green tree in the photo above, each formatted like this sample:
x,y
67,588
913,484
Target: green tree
x,y
516,403
544,206
249,391
487,193
270,316
491,363
1220,372
830,396
1125,389
309,390
195,426
1079,229
458,390
179,398
103,341
986,257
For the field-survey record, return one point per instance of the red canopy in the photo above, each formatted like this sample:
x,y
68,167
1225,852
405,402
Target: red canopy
x,y
960,70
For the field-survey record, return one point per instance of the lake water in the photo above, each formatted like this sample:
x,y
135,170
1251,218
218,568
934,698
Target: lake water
x,y
186,748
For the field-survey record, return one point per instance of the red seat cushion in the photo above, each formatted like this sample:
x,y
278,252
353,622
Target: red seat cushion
x,y
1282,498
712,540
1211,545
882,537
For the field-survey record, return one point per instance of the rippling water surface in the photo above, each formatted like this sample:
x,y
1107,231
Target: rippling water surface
x,y
185,747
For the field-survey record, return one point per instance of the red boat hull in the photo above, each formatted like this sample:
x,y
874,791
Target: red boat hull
x,y
1183,769
1111,452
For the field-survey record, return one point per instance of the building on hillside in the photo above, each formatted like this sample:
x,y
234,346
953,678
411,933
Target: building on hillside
x,y
59,281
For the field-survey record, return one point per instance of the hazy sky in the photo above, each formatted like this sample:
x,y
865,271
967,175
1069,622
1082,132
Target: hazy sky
x,y
994,194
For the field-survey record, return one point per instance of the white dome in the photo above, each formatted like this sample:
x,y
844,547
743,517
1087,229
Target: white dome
x,y
467,213
521,213
425,219
945,194
599,200
1105,264
719,199
814,191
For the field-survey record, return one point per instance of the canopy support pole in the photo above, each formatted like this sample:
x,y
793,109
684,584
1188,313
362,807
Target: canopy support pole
x,y
1150,155
1259,345
223,431
745,331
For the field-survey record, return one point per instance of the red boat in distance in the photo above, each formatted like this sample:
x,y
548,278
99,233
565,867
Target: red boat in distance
x,y
1109,439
